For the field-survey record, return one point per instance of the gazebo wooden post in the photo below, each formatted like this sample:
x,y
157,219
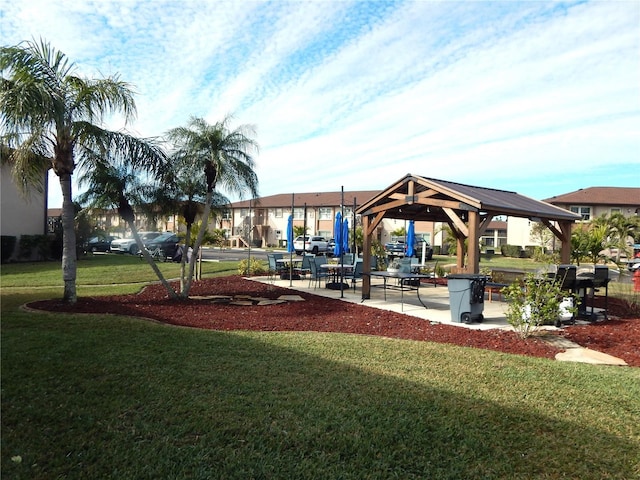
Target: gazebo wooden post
x,y
366,258
565,248
473,254
563,233
460,251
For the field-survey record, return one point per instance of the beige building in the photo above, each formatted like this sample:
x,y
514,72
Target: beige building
x,y
593,202
262,222
20,215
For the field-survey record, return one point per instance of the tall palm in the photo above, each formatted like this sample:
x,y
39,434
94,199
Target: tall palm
x,y
182,189
48,111
221,157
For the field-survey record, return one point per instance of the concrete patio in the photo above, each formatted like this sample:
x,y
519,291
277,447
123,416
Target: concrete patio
x,y
436,299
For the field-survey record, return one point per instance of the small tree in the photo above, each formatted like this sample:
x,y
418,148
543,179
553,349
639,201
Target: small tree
x,y
535,302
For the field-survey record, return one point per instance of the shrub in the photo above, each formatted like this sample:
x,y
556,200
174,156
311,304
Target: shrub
x,y
40,245
7,248
257,267
510,251
535,302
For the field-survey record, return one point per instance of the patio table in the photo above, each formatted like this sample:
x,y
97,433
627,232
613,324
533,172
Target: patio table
x,y
405,280
283,267
337,270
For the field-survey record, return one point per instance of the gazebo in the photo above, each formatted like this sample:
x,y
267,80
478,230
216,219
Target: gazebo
x,y
466,209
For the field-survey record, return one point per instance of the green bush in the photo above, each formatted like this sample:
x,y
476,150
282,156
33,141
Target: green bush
x,y
511,251
30,245
7,247
257,267
535,302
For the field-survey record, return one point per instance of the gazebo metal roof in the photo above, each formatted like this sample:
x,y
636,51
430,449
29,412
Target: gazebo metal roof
x,y
422,199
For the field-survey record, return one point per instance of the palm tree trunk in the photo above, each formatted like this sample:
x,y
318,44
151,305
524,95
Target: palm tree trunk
x,y
184,293
69,256
151,261
183,261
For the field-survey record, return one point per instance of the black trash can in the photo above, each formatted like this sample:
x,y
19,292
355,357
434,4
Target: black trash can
x,y
466,297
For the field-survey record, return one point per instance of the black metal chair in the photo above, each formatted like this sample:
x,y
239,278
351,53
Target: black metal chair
x,y
566,275
600,280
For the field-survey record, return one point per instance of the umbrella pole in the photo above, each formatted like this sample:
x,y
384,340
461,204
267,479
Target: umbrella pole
x,y
342,246
290,248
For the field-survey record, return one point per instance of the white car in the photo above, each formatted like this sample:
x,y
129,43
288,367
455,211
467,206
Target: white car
x,y
128,245
313,244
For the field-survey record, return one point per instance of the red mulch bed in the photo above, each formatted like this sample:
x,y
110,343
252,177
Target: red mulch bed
x,y
620,338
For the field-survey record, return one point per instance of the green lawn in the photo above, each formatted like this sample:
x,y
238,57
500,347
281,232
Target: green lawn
x,y
91,396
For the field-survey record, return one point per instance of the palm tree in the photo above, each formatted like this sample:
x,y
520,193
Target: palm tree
x,y
182,189
220,157
123,174
48,111
623,230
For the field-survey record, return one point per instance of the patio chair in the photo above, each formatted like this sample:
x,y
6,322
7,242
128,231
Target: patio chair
x,y
273,266
305,268
347,258
566,275
356,273
600,280
317,273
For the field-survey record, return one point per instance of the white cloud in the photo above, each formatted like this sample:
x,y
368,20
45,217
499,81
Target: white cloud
x,y
359,94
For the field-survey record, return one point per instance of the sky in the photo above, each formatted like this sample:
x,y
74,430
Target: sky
x,y
541,98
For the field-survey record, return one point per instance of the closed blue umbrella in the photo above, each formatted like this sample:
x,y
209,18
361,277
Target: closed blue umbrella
x,y
337,235
345,236
411,238
290,248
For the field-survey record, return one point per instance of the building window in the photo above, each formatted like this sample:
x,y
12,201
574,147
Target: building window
x,y
325,213
298,213
613,211
244,212
585,212
277,212
226,214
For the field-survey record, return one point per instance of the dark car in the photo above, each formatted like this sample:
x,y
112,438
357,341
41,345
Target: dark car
x,y
99,243
395,248
398,248
167,242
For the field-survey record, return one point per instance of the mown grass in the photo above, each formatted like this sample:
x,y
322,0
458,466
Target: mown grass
x,y
96,396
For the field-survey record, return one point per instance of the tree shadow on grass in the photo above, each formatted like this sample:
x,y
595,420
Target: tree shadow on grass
x,y
103,398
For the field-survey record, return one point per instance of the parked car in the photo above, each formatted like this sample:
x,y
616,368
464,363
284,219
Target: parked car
x,y
331,246
398,248
395,248
99,243
168,242
312,244
128,245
